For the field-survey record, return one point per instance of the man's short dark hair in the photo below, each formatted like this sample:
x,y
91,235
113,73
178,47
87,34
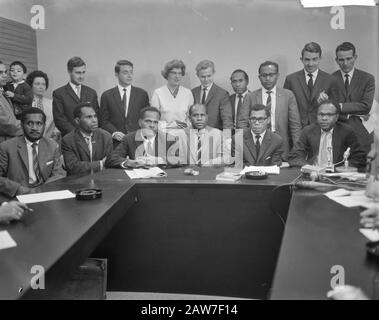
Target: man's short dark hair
x,y
120,63
78,108
32,110
246,76
259,107
268,63
148,109
195,105
311,47
18,63
37,74
332,102
75,62
346,46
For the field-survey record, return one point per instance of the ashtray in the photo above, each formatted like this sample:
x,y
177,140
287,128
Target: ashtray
x,y
88,194
256,175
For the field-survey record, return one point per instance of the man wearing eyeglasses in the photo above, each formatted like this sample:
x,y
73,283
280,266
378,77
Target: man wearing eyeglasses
x,y
285,118
261,147
325,142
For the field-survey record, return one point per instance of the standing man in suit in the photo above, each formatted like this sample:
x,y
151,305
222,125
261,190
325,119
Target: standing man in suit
x,y
311,85
356,90
120,106
213,97
285,118
145,146
86,148
30,160
9,126
261,147
66,98
239,81
324,143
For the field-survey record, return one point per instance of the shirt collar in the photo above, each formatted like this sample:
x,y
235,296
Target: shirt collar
x,y
73,86
29,143
349,73
17,83
86,135
273,90
262,134
149,139
330,131
208,88
121,88
314,74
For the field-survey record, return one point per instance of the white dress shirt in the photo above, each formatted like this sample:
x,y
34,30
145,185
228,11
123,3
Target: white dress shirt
x,y
273,104
32,174
121,90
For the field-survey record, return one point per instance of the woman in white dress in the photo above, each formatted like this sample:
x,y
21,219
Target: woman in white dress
x,y
39,82
173,100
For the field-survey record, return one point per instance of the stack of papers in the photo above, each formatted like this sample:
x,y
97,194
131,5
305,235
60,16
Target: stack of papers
x,y
153,172
6,241
351,198
228,176
46,196
266,169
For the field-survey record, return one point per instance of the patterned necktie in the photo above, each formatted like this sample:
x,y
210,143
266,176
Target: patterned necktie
x,y
204,95
239,106
346,82
268,105
35,163
324,152
150,150
198,160
89,144
310,83
257,144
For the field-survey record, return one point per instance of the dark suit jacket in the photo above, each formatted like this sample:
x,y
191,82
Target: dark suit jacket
x,y
132,146
23,97
218,107
239,115
270,152
287,118
9,126
112,112
308,105
357,101
14,163
306,149
77,155
64,102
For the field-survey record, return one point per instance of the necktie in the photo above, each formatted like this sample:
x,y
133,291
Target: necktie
x,y
198,160
239,106
310,83
124,101
324,152
268,105
35,163
150,150
346,82
77,89
257,144
89,144
204,95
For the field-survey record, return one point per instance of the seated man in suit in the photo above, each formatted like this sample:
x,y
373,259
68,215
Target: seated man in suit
x,y
146,146
120,106
213,97
261,147
86,148
285,118
311,85
239,81
12,210
9,126
356,89
325,142
204,144
30,160
66,98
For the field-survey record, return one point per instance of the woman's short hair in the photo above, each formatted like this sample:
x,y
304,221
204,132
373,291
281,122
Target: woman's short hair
x,y
37,74
173,64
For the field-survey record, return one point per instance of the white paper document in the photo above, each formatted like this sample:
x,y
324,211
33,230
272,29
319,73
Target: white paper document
x,y
46,196
370,234
153,172
267,169
351,198
6,241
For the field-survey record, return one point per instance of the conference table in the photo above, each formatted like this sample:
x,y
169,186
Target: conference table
x,y
254,239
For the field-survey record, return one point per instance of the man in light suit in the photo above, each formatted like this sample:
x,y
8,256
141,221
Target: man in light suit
x,y
120,106
311,85
356,90
204,144
66,98
145,146
285,118
213,97
324,143
30,160
9,126
239,81
261,147
86,148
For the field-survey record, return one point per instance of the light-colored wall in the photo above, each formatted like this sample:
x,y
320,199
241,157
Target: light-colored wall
x,y
234,34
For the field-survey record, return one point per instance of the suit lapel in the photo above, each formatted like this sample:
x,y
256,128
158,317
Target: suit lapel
x,y
210,94
72,93
132,100
315,140
336,143
265,145
303,84
81,143
353,82
249,143
23,152
316,86
233,102
43,157
118,101
278,107
341,84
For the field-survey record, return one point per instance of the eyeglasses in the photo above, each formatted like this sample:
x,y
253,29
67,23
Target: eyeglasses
x,y
328,115
267,75
260,120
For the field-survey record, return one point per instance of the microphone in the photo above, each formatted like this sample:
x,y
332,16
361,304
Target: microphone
x,y
346,167
346,155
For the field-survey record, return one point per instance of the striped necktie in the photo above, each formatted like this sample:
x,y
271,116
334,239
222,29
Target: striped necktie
x,y
35,163
198,153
